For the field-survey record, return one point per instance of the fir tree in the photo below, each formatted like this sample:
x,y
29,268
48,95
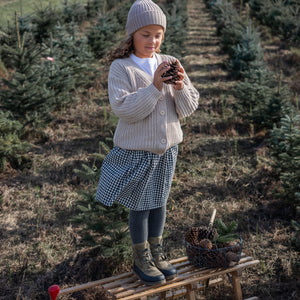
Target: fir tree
x,y
74,12
26,95
11,147
17,35
278,106
71,50
259,100
225,14
3,70
70,60
103,36
43,78
44,22
231,35
96,7
285,145
120,12
109,29
111,223
282,16
247,54
176,30
296,236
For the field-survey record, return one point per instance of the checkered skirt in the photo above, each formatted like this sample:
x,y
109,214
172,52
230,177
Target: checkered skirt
x,y
139,180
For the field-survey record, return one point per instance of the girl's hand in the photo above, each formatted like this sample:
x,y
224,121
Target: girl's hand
x,y
158,80
179,83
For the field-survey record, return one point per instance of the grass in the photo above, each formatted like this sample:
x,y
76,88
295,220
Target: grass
x,y
24,7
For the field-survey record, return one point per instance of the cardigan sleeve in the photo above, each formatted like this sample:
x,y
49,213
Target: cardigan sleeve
x,y
186,99
130,106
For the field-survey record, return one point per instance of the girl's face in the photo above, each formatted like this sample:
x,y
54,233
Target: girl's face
x,y
147,40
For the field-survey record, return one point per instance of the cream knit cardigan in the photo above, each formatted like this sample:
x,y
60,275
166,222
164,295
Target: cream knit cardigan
x,y
148,118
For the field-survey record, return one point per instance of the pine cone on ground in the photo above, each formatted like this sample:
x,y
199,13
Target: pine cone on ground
x,y
173,71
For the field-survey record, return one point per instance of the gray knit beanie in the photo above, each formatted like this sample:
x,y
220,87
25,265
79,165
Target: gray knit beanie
x,y
143,13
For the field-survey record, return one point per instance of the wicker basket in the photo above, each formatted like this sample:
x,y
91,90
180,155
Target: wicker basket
x,y
216,257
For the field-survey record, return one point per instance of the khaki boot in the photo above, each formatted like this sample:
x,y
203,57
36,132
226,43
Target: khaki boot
x,y
144,266
160,258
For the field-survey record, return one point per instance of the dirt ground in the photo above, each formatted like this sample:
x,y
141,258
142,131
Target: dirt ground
x,y
222,164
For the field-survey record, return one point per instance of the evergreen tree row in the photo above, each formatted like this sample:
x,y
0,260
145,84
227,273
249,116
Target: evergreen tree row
x,y
45,58
261,98
282,16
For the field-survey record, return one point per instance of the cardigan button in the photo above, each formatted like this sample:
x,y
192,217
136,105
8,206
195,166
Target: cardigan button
x,y
162,113
163,141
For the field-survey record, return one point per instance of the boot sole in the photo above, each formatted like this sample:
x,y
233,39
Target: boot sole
x,y
150,283
169,278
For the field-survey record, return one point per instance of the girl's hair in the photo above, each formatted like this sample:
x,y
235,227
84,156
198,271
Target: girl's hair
x,y
124,49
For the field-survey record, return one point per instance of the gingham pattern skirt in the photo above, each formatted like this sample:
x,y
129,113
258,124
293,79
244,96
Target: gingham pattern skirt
x,y
139,180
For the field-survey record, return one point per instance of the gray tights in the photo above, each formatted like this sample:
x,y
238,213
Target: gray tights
x,y
146,223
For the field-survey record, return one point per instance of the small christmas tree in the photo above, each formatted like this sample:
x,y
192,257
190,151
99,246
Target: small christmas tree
x,y
74,12
71,52
231,35
11,36
26,95
260,100
44,21
247,55
103,36
225,14
109,222
285,146
11,147
176,31
252,97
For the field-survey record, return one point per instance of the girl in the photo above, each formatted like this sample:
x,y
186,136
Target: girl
x,y
138,171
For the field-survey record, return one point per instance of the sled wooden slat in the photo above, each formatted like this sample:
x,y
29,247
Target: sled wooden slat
x,y
190,279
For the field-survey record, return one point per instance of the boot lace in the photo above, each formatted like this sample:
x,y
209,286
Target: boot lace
x,y
157,252
146,256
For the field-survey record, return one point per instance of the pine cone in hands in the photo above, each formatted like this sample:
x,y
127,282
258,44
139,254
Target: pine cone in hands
x,y
173,71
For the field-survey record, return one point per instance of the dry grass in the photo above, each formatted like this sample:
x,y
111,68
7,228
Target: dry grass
x,y
221,165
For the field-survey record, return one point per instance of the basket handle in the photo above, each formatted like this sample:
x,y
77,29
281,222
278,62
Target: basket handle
x,y
212,218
